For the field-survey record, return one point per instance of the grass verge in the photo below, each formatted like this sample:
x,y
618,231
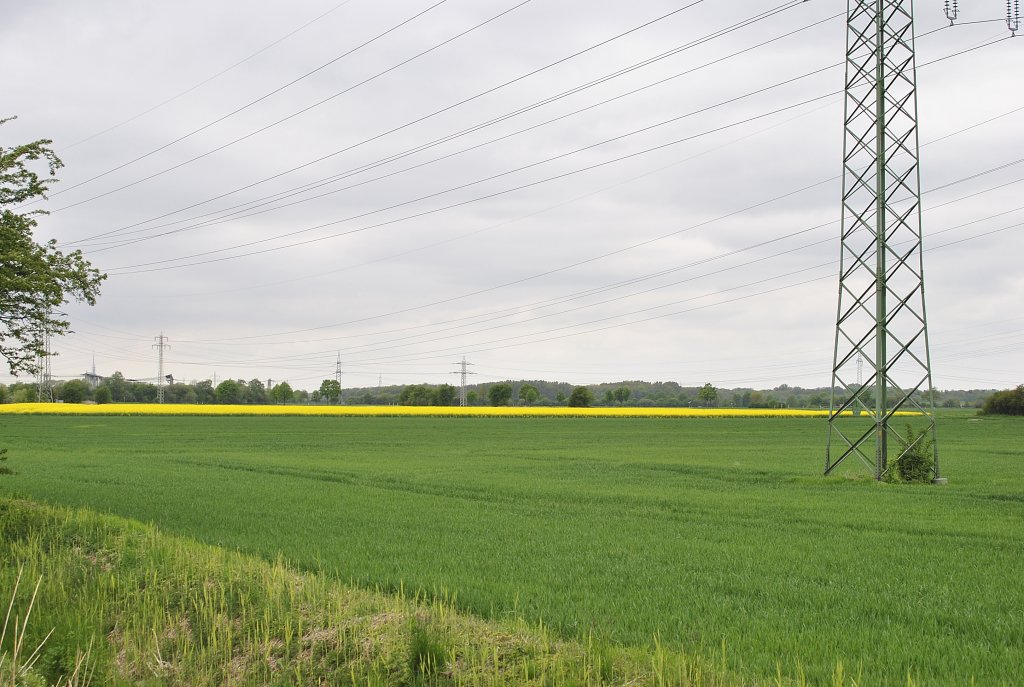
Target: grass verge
x,y
155,609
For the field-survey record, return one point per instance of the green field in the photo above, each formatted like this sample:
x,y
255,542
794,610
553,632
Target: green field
x,y
705,532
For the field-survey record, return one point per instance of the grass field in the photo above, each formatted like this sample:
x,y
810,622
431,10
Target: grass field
x,y
704,532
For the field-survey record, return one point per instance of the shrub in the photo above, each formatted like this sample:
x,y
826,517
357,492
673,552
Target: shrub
x,y
917,459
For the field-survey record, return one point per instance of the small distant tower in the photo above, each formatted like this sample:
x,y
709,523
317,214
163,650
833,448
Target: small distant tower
x,y
91,377
462,372
44,372
337,375
160,345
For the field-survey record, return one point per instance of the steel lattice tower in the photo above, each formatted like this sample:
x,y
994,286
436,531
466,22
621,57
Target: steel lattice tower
x,y
881,311
44,371
337,376
463,371
160,345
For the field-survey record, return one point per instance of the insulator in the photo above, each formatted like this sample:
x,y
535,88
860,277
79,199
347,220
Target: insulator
x,y
1013,16
952,11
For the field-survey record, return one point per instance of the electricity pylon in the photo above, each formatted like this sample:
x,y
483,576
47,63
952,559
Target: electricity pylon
x,y
337,375
160,345
463,371
881,312
44,370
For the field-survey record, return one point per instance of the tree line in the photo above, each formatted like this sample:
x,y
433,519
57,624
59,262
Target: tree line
x,y
1008,402
118,389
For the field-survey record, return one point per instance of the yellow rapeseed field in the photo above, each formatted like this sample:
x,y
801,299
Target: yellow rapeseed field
x,y
405,411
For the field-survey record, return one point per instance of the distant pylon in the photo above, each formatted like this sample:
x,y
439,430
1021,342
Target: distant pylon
x,y
337,375
160,345
881,311
462,371
44,371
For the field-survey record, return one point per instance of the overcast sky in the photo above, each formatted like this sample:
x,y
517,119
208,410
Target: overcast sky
x,y
274,184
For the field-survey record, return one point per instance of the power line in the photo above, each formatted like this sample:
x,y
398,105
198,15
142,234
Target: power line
x,y
137,267
522,168
207,80
325,181
577,198
377,346
647,242
476,127
299,112
241,109
504,342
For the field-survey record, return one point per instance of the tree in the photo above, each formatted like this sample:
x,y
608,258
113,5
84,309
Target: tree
x,y
35,279
118,387
228,391
500,394
581,397
257,392
331,390
243,391
529,394
560,397
622,394
282,393
102,394
446,394
74,391
143,392
708,394
417,395
205,392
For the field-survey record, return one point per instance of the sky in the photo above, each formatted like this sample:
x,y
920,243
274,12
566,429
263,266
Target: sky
x,y
566,190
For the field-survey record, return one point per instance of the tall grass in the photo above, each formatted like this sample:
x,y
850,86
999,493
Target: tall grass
x,y
18,658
